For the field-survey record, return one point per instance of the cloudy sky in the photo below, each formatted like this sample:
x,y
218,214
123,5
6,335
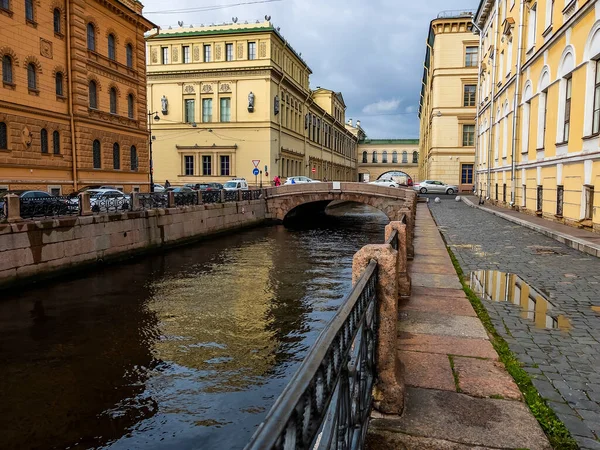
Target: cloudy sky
x,y
370,50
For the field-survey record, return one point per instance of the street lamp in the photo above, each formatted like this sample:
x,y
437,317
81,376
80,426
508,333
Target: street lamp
x,y
151,116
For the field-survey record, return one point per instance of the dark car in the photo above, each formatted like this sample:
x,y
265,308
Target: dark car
x,y
32,204
83,189
179,189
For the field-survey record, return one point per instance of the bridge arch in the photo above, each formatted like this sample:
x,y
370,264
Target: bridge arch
x,y
390,174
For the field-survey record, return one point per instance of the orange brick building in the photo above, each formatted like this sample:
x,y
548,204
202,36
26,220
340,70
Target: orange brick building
x,y
73,95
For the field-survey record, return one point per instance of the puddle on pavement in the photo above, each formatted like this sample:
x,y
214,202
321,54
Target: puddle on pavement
x,y
497,286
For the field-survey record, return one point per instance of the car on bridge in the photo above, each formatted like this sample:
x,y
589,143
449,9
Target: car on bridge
x,y
435,187
299,180
104,200
236,184
386,183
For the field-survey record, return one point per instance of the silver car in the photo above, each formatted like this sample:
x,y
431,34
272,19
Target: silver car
x,y
435,187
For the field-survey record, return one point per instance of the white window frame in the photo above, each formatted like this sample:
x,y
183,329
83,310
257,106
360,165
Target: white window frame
x,y
531,26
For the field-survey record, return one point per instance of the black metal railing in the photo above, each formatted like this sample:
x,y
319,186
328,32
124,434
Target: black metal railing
x,y
393,240
251,195
110,204
327,403
211,196
48,207
231,196
153,200
186,199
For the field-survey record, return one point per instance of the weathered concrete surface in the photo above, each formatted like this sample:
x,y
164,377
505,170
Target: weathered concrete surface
x,y
483,378
441,324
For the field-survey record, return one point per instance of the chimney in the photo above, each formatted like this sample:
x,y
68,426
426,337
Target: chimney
x,y
358,123
350,121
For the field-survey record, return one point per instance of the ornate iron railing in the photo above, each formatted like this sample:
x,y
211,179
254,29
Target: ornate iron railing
x,y
110,204
393,240
231,196
48,207
186,199
211,196
153,200
251,195
327,403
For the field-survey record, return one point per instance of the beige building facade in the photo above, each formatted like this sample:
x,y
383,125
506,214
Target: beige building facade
x,y
73,95
233,96
396,159
448,101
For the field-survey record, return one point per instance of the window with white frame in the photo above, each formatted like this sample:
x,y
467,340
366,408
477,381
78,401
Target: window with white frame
x,y
251,50
207,53
186,54
225,109
549,13
531,26
188,165
509,53
542,113
567,121
165,55
229,52
207,110
190,110
596,110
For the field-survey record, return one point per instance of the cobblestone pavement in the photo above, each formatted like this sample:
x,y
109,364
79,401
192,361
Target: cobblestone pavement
x,y
564,365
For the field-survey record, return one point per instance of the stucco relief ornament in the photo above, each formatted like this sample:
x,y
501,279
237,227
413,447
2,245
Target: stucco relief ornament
x,y
250,102
189,89
207,88
225,87
154,56
26,136
165,105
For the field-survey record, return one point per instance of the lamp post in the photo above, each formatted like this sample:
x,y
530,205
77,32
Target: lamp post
x,y
151,116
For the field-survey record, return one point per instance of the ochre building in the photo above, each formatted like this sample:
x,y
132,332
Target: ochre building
x,y
73,95
448,101
539,108
233,96
396,159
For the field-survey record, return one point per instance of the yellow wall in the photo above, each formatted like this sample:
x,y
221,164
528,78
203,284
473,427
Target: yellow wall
x,y
375,170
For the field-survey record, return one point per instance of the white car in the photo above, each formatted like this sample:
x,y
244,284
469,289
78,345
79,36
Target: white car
x,y
236,184
159,187
103,200
299,180
386,183
435,187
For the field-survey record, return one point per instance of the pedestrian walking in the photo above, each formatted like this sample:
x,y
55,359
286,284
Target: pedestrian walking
x,y
277,180
167,184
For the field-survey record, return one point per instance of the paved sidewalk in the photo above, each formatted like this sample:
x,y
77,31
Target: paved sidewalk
x,y
459,395
582,240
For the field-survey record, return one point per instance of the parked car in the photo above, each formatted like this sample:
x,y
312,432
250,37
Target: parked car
x,y
83,189
179,189
32,198
435,187
104,200
236,184
159,187
386,183
299,180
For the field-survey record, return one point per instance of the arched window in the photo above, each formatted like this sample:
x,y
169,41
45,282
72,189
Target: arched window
x,y
112,54
395,157
404,156
113,100
3,136
129,51
59,84
29,10
133,158
57,24
91,37
93,94
96,154
384,157
44,140
130,106
415,157
7,76
116,156
364,157
374,157
31,77
56,142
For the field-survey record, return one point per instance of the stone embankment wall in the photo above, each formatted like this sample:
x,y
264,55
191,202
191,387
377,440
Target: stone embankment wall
x,y
31,249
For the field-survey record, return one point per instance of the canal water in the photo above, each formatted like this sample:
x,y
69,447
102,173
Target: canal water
x,y
183,350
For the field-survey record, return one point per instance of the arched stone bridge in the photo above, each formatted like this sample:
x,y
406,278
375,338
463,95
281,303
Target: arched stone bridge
x,y
284,201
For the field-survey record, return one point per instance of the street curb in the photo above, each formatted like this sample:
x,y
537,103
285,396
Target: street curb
x,y
577,244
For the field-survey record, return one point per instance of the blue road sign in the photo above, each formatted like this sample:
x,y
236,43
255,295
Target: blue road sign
x,y
255,171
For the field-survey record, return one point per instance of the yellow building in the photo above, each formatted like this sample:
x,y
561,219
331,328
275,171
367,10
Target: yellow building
x,y
232,94
388,158
545,158
73,95
447,107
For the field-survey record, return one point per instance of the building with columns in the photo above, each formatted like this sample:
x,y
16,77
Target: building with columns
x,y
230,95
447,107
73,95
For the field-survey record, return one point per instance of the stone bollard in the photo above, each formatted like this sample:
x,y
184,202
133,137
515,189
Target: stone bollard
x,y
389,388
85,206
12,203
170,199
135,201
410,225
200,201
222,196
404,283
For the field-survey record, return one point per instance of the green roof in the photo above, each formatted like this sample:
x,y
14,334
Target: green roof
x,y
390,141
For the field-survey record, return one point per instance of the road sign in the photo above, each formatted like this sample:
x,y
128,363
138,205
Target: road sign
x,y
256,162
255,171
314,170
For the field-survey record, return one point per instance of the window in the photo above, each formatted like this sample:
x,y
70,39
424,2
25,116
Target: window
x,y
206,165
56,142
129,55
395,157
5,4
59,84
113,100
560,191
251,50
206,53
57,27
364,160
164,55
225,165
468,135
207,110
31,77
531,26
29,10
596,114
44,140
225,110
3,136
188,163
415,157
116,156
567,109
540,198
229,52
384,157
466,174
374,157
96,154
469,95
542,122
130,106
471,57
7,69
186,54
111,47
92,91
404,157
91,37
549,12
190,108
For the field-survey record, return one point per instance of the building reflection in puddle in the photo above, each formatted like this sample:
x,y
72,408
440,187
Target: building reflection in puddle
x,y
498,286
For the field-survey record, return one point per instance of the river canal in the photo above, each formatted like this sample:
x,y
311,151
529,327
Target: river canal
x,y
187,349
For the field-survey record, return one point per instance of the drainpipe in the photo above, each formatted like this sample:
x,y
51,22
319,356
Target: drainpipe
x,y
478,102
283,76
516,106
70,87
494,67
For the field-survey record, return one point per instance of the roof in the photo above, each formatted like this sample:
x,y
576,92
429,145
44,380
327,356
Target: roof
x,y
484,9
390,141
